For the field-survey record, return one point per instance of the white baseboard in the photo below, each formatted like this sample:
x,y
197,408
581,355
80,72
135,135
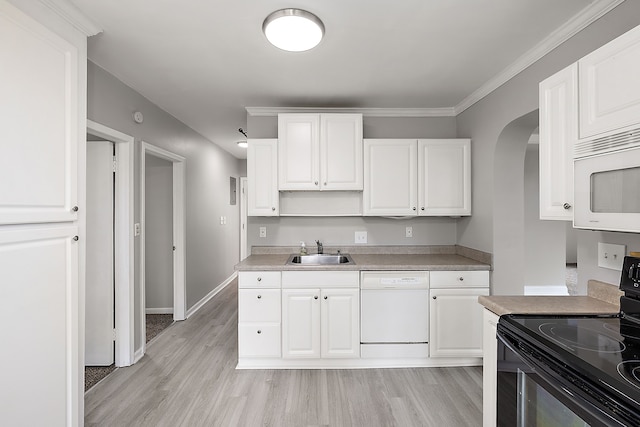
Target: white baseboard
x,y
210,295
166,310
138,355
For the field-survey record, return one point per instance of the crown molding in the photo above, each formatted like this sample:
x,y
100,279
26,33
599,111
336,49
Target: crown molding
x,y
366,112
577,23
73,15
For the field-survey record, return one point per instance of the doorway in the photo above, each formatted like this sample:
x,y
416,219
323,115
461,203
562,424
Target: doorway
x,y
162,237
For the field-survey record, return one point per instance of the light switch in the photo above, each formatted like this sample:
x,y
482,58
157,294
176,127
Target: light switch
x,y
611,256
361,237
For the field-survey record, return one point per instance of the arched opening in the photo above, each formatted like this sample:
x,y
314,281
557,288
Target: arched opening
x,y
528,254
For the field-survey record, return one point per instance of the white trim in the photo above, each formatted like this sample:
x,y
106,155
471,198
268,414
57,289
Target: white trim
x,y
73,15
366,112
124,241
197,306
138,354
355,363
165,310
179,230
243,218
576,24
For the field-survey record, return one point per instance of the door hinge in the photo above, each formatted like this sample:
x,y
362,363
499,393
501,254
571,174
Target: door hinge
x,y
115,164
114,334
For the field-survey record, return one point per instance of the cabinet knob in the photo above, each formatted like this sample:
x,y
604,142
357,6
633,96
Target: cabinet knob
x,y
76,238
326,297
567,206
434,297
316,183
259,296
273,209
74,209
414,208
259,279
259,331
422,208
461,278
325,184
315,297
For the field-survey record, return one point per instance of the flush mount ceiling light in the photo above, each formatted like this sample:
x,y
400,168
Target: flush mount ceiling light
x,y
242,144
294,30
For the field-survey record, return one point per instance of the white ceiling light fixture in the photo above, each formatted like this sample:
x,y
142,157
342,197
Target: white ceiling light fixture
x,y
242,144
293,30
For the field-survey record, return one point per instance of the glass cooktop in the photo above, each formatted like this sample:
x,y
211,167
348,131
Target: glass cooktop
x,y
604,349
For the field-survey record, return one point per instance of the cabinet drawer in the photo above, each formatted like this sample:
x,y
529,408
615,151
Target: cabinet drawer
x,y
459,279
259,305
259,279
320,279
259,340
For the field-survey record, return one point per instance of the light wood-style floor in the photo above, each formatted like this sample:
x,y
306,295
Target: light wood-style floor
x,y
188,378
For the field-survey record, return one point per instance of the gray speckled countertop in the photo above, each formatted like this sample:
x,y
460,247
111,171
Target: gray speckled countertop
x,y
431,262
602,298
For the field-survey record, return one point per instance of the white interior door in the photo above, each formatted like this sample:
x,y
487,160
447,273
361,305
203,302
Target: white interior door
x,y
99,338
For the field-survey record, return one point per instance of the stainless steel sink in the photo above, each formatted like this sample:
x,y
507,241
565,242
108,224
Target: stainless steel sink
x,y
320,259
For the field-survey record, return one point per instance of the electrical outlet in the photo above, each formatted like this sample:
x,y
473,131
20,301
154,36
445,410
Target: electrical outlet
x,y
136,229
361,237
408,232
263,231
611,256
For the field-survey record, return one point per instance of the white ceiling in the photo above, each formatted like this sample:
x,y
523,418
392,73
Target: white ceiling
x,y
204,61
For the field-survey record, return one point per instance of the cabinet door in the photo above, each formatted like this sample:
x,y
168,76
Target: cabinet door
x,y
609,86
390,177
39,121
258,339
340,320
489,368
455,322
341,152
558,132
262,177
298,151
39,276
301,323
444,177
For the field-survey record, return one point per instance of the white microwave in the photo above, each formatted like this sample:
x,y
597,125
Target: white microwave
x,y
607,184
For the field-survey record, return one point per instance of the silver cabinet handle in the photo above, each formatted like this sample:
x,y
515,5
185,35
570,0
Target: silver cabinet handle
x,y
434,297
414,208
76,238
326,297
259,331
273,209
567,206
316,183
422,208
259,296
325,184
259,279
315,297
74,209
461,278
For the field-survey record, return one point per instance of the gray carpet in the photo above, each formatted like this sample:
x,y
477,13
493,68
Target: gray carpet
x,y
156,323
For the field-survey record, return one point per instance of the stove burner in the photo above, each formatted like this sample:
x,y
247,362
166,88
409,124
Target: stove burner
x,y
574,338
630,371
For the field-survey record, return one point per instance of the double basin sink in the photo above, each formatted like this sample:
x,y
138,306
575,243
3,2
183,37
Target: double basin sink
x,y
320,259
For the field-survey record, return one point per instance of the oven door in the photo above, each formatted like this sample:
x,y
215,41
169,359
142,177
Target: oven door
x,y
528,395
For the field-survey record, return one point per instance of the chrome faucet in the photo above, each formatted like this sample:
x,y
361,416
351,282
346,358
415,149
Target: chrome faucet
x,y
320,249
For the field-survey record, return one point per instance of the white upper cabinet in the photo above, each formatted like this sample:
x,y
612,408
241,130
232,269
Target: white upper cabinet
x,y
320,151
262,177
430,177
39,118
558,133
391,177
444,177
610,87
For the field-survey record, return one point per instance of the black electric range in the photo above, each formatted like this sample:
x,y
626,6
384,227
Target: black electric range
x,y
589,361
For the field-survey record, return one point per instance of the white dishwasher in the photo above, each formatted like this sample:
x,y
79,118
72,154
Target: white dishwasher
x,y
394,314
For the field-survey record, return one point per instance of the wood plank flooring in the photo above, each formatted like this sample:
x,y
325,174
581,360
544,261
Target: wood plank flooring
x,y
188,378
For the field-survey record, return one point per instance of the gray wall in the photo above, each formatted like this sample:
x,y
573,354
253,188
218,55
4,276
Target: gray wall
x,y
158,225
544,241
212,249
484,123
340,231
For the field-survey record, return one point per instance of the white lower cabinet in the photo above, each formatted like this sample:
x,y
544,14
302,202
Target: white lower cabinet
x,y
321,322
455,317
489,367
259,314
